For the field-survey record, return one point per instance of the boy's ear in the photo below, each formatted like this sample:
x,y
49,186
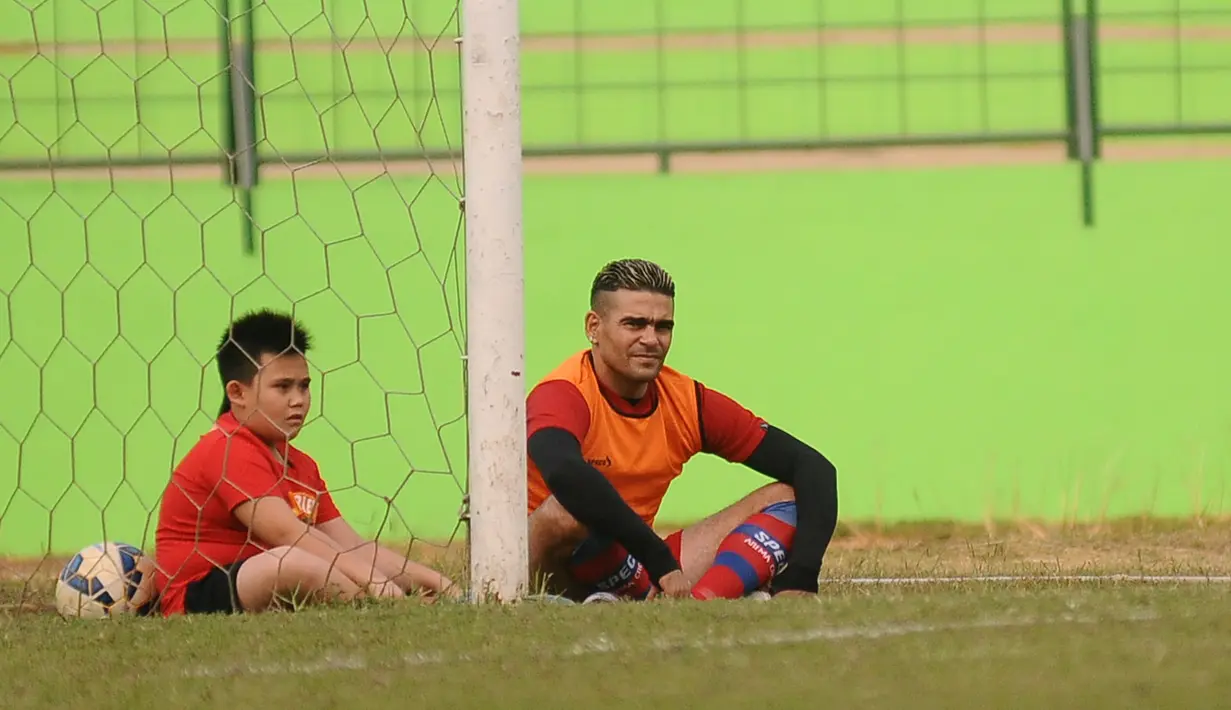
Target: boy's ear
x,y
235,391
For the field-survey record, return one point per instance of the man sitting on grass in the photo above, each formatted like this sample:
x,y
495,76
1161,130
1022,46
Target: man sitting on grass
x,y
246,521
612,427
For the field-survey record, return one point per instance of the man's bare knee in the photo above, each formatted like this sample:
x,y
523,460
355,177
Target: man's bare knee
x,y
288,573
770,494
554,534
553,528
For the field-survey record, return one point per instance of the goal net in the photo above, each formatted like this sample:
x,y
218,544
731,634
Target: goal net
x,y
168,165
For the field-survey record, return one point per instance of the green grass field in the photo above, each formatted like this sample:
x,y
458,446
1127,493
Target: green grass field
x,y
1028,643
1027,646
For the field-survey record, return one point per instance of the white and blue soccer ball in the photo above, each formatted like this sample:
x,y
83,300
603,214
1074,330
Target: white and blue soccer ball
x,y
104,580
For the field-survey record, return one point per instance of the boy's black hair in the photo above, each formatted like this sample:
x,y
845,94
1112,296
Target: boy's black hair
x,y
253,335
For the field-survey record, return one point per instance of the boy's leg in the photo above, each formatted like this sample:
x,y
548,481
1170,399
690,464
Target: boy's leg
x,y
742,539
264,580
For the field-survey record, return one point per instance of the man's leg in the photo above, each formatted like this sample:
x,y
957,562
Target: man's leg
x,y
553,536
567,560
731,553
601,564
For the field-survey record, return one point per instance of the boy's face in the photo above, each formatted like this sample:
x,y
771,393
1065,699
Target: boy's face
x,y
275,404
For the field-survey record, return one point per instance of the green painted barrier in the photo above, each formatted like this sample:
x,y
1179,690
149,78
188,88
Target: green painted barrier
x,y
953,340
949,338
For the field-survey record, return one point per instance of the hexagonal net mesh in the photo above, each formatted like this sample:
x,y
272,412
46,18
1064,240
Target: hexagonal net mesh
x,y
122,258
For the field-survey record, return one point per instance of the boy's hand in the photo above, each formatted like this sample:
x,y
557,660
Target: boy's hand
x,y
385,588
444,589
449,589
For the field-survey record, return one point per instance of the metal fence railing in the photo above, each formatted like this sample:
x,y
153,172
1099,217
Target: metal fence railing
x,y
350,83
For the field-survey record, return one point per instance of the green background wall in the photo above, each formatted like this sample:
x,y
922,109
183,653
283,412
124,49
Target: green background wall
x,y
952,339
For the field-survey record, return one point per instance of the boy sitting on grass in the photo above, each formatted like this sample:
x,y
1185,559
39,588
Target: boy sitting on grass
x,y
246,520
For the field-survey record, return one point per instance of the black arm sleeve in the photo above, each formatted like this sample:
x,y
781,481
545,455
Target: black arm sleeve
x,y
590,498
815,480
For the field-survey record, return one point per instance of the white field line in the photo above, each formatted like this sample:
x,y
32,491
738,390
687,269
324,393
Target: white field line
x,y
1064,578
601,644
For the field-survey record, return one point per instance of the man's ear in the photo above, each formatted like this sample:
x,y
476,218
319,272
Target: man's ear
x,y
592,321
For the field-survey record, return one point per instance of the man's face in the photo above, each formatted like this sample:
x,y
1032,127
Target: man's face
x,y
631,331
275,404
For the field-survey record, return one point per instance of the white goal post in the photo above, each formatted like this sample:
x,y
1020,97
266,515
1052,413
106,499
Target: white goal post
x,y
495,311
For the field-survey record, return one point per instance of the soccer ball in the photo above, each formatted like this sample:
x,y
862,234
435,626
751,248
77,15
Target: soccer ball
x,y
104,580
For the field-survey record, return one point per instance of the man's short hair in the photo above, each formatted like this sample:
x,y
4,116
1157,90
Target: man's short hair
x,y
252,336
631,275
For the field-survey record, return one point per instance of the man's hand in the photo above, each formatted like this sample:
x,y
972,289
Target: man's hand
x,y
674,585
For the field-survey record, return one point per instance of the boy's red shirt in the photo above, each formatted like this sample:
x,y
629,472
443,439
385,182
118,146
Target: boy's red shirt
x,y
197,530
